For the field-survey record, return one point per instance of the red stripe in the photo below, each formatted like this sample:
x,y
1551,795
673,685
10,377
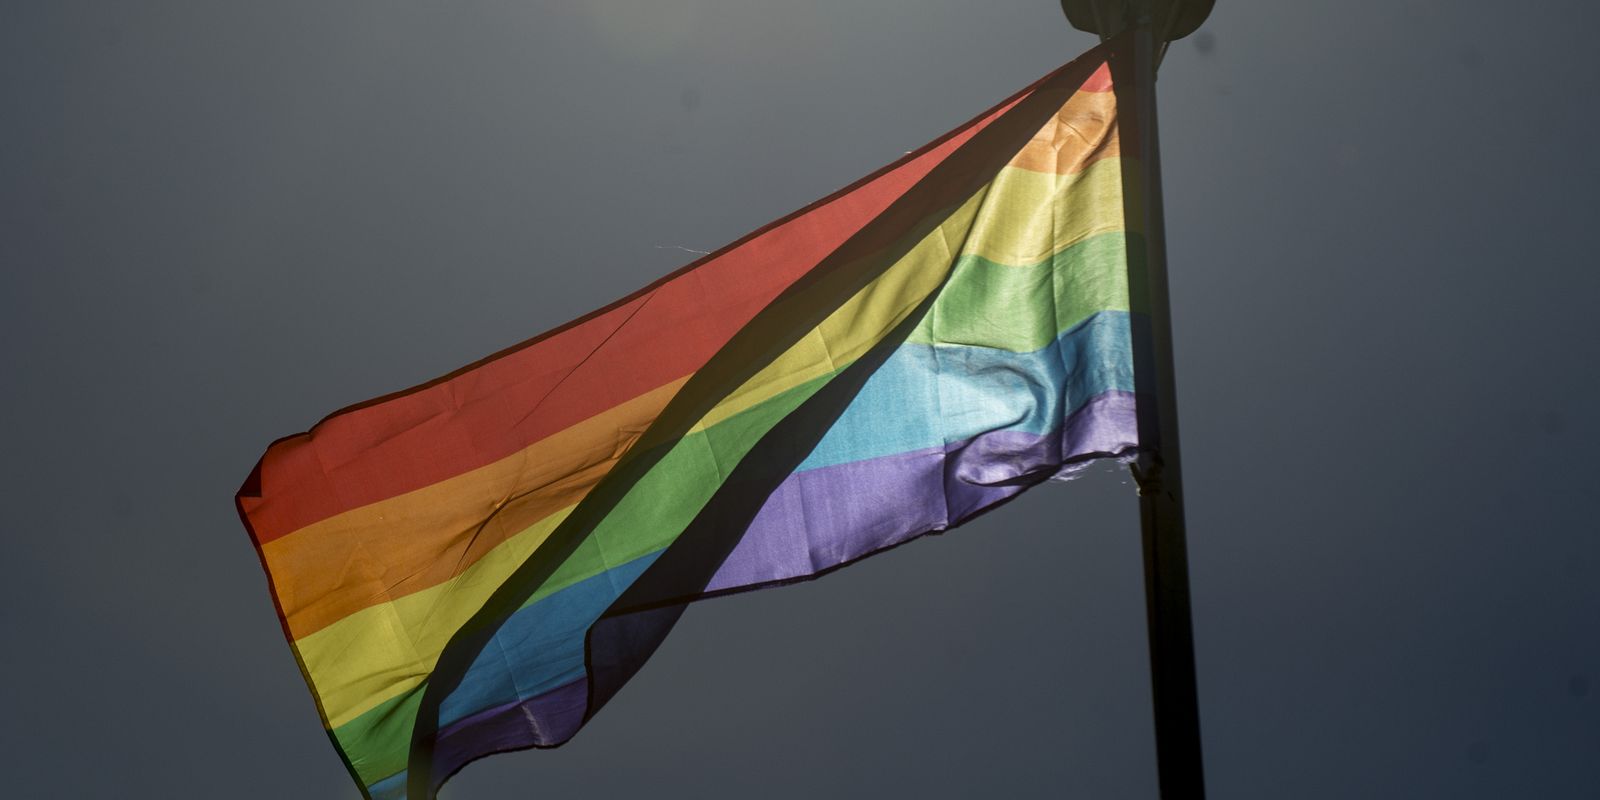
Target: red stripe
x,y
1100,81
500,405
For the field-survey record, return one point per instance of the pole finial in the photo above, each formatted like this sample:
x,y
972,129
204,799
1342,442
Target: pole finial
x,y
1173,19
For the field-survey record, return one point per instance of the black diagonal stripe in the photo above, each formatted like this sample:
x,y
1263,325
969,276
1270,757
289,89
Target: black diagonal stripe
x,y
795,312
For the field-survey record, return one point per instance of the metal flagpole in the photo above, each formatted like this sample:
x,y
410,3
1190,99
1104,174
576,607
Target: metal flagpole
x,y
1158,469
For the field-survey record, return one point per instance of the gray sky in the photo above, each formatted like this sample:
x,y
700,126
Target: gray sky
x,y
223,220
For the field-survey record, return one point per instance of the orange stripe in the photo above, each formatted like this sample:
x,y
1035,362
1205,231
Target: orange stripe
x,y
1084,131
392,548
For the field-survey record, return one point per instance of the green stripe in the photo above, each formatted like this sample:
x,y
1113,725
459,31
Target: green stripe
x,y
378,742
996,306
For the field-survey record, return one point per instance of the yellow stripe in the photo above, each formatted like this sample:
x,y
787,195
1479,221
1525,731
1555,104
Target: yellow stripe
x,y
1034,215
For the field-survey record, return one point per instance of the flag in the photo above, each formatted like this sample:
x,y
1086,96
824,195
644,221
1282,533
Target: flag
x,y
477,564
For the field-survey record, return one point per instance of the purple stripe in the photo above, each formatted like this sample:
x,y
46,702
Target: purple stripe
x,y
546,720
822,518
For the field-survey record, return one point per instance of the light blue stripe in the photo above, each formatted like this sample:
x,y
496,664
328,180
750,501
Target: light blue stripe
x,y
926,396
390,788
537,649
540,647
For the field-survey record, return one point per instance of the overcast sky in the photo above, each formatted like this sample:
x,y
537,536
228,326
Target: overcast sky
x,y
220,221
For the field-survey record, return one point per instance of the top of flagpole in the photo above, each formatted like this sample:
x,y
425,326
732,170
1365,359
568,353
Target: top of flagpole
x,y
1172,19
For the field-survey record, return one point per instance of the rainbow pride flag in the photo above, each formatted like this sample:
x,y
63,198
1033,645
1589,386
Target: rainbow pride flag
x,y
477,564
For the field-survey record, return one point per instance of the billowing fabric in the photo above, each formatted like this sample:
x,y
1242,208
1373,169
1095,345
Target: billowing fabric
x,y
477,564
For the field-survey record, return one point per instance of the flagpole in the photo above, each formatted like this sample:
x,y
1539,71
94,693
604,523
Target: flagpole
x,y
1158,469
1159,473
